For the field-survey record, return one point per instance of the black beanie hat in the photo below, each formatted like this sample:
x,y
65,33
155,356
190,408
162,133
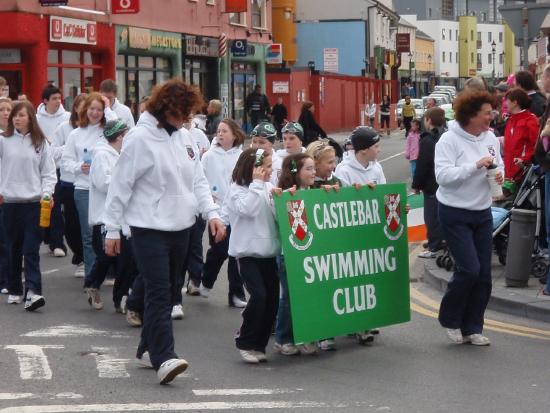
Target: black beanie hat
x,y
363,137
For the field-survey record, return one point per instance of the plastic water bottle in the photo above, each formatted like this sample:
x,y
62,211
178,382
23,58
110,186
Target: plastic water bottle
x,y
87,158
45,212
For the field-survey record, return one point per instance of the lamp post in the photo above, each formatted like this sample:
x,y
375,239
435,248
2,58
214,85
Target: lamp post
x,y
429,72
493,50
410,68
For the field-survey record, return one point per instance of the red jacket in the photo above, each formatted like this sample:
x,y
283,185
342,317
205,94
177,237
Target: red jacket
x,y
520,137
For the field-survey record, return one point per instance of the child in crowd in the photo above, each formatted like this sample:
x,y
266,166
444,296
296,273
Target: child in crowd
x,y
263,137
254,241
218,164
27,178
293,136
412,144
106,154
5,110
298,172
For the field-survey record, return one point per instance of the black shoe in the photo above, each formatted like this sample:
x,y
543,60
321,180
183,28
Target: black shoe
x,y
425,245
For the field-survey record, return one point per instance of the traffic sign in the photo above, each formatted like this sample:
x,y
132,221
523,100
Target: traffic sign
x,y
124,6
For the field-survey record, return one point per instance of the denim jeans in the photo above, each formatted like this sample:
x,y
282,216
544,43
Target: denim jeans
x,y
82,201
283,327
469,238
24,236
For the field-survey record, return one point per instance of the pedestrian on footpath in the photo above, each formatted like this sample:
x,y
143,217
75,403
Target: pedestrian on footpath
x,y
158,162
424,179
298,172
311,129
385,114
213,118
65,194
255,244
279,115
77,159
109,89
370,111
5,110
27,178
218,164
408,113
412,144
462,157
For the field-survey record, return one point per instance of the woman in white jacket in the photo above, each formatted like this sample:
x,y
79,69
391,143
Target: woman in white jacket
x,y
158,188
255,243
27,177
462,156
77,159
218,164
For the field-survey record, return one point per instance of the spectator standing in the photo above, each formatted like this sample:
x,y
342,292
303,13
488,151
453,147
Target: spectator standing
x,y
213,118
526,81
462,157
5,110
370,111
385,114
279,115
257,106
408,113
109,89
412,144
311,128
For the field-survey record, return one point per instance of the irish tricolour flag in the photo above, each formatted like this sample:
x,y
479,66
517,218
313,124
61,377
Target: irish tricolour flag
x,y
415,218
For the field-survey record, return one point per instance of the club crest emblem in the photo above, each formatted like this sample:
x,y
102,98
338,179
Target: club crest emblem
x,y
190,152
492,150
300,238
392,208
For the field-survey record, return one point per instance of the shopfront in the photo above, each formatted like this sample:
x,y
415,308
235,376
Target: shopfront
x,y
73,54
200,64
144,59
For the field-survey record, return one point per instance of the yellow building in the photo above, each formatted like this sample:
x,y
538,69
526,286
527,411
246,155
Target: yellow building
x,y
467,46
424,52
509,50
284,28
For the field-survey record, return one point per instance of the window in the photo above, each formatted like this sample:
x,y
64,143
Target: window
x,y
450,57
501,58
237,18
489,37
456,35
443,57
500,37
211,2
472,58
490,58
430,12
479,36
258,13
471,35
456,57
442,34
73,72
450,36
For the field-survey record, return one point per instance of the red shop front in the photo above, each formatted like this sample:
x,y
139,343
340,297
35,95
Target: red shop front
x,y
75,55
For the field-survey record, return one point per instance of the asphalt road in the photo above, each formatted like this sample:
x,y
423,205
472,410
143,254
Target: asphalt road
x,y
70,358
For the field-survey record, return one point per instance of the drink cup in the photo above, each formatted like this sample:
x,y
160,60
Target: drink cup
x,y
496,189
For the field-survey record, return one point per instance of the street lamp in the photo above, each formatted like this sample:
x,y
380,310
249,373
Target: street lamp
x,y
493,50
429,72
410,68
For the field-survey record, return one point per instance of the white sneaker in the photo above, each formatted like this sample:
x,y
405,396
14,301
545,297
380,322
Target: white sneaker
x,y
455,335
170,369
59,253
192,289
307,349
94,298
205,292
287,349
109,282
477,340
123,304
144,361
365,337
249,356
177,312
4,291
427,254
79,272
15,299
327,345
260,356
133,318
34,301
237,302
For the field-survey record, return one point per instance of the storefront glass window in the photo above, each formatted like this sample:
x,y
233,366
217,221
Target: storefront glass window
x,y
162,63
131,61
71,57
71,86
88,80
120,60
146,81
162,77
53,56
53,75
145,62
87,58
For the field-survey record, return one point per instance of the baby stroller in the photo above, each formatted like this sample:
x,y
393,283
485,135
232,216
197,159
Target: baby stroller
x,y
528,196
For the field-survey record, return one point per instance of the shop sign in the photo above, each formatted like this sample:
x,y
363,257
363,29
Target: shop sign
x,y
281,87
361,281
274,54
239,48
124,6
236,6
201,46
403,42
145,39
66,30
330,59
10,56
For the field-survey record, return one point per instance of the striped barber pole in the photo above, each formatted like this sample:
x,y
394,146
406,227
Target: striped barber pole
x,y
222,48
415,219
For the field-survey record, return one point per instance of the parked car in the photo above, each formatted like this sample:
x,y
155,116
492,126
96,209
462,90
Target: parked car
x,y
451,89
449,111
445,98
418,107
447,93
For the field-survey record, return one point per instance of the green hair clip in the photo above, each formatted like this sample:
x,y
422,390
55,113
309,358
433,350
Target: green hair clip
x,y
260,154
293,167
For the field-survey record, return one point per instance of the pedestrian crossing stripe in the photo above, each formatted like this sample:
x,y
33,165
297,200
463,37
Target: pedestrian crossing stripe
x,y
415,219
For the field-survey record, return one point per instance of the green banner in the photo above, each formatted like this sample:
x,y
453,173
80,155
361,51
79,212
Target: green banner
x,y
346,258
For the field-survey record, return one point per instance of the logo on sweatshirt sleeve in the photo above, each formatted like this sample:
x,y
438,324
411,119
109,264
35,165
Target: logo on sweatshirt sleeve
x,y
190,152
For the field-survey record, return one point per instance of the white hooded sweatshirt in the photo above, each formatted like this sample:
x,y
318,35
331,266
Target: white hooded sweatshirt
x,y
73,153
158,181
27,173
277,164
218,165
103,162
461,183
251,214
58,146
49,122
123,113
352,172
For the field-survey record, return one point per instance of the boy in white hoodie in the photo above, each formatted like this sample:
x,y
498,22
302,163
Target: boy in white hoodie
x,y
218,164
263,137
293,137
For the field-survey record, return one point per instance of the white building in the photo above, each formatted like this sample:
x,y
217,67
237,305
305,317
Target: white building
x,y
488,33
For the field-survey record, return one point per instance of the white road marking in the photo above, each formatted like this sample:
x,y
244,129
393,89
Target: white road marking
x,y
241,392
165,407
109,365
51,396
50,271
33,363
391,157
77,330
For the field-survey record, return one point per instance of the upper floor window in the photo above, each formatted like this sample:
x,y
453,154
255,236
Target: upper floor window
x,y
258,13
237,18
